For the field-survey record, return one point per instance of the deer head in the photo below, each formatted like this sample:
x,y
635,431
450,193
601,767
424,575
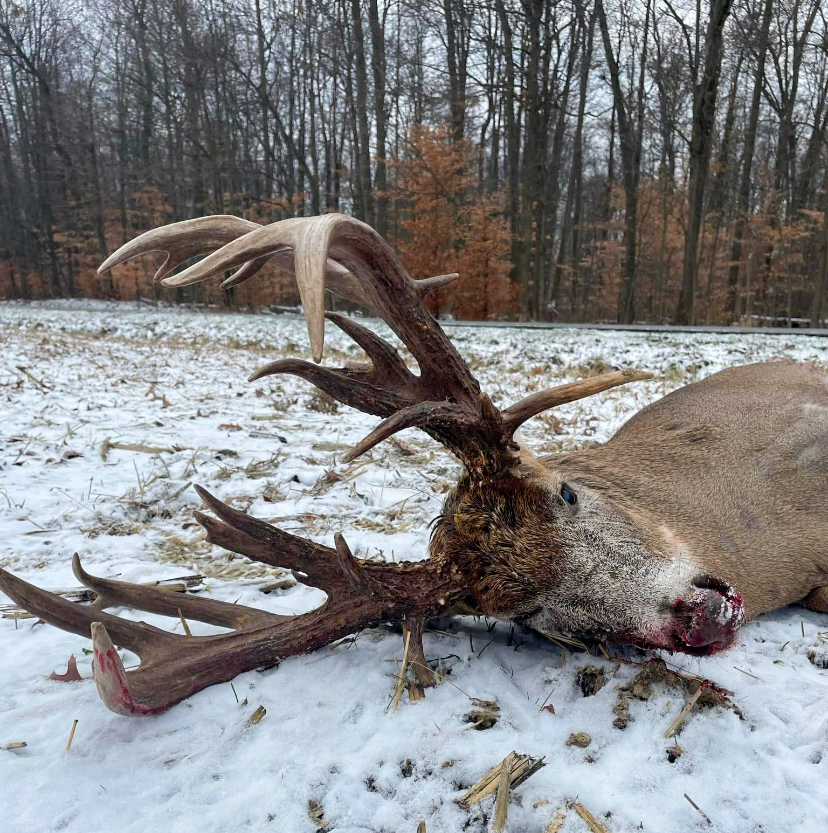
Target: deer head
x,y
504,544
558,551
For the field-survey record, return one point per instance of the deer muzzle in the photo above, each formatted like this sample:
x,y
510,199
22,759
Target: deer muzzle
x,y
708,620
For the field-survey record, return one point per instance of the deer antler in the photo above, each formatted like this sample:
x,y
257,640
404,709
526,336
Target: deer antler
x,y
351,260
361,594
445,400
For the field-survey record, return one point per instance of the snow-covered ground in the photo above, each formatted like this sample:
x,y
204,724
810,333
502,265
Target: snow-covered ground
x,y
171,384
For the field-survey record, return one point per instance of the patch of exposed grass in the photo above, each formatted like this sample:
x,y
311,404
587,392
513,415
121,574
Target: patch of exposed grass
x,y
322,402
596,366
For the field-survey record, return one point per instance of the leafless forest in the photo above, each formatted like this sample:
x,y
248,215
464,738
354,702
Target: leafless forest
x,y
649,160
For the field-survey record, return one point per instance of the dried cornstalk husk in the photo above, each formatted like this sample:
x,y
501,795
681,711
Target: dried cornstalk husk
x,y
558,821
107,445
184,623
699,809
688,707
257,716
71,735
316,813
403,669
501,808
594,825
521,767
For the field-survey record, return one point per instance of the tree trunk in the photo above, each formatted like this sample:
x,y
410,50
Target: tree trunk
x,y
532,173
512,141
364,152
570,231
264,116
553,180
701,143
630,140
743,200
378,68
820,283
457,49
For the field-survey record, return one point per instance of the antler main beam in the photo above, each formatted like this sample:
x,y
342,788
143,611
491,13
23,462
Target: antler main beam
x,y
361,594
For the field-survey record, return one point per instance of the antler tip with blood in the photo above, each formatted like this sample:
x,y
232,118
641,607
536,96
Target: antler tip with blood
x,y
111,678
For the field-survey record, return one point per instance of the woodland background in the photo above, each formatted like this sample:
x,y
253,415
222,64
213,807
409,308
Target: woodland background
x,y
616,160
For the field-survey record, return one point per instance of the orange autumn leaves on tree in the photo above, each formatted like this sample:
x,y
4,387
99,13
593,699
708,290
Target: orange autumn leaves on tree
x,y
447,225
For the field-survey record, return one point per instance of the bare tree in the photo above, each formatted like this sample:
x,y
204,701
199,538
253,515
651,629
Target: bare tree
x,y
743,199
706,89
630,131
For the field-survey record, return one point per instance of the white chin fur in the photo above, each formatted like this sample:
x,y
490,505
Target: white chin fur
x,y
642,610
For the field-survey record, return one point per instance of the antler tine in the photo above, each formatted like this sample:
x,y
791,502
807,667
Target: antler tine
x,y
399,301
384,357
296,246
113,593
259,541
381,388
351,568
183,241
428,285
111,679
515,415
351,386
137,637
414,416
188,239
386,361
337,279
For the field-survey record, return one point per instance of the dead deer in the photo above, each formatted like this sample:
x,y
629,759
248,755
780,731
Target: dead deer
x,y
707,508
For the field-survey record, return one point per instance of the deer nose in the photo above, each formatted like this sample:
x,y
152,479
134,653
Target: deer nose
x,y
708,619
710,616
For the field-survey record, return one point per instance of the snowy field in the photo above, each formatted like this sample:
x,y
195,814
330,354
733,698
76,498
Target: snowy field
x,y
109,413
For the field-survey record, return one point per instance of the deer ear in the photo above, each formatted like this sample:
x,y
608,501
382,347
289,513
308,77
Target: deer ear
x,y
474,522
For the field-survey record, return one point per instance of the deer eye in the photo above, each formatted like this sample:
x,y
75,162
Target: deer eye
x,y
568,495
